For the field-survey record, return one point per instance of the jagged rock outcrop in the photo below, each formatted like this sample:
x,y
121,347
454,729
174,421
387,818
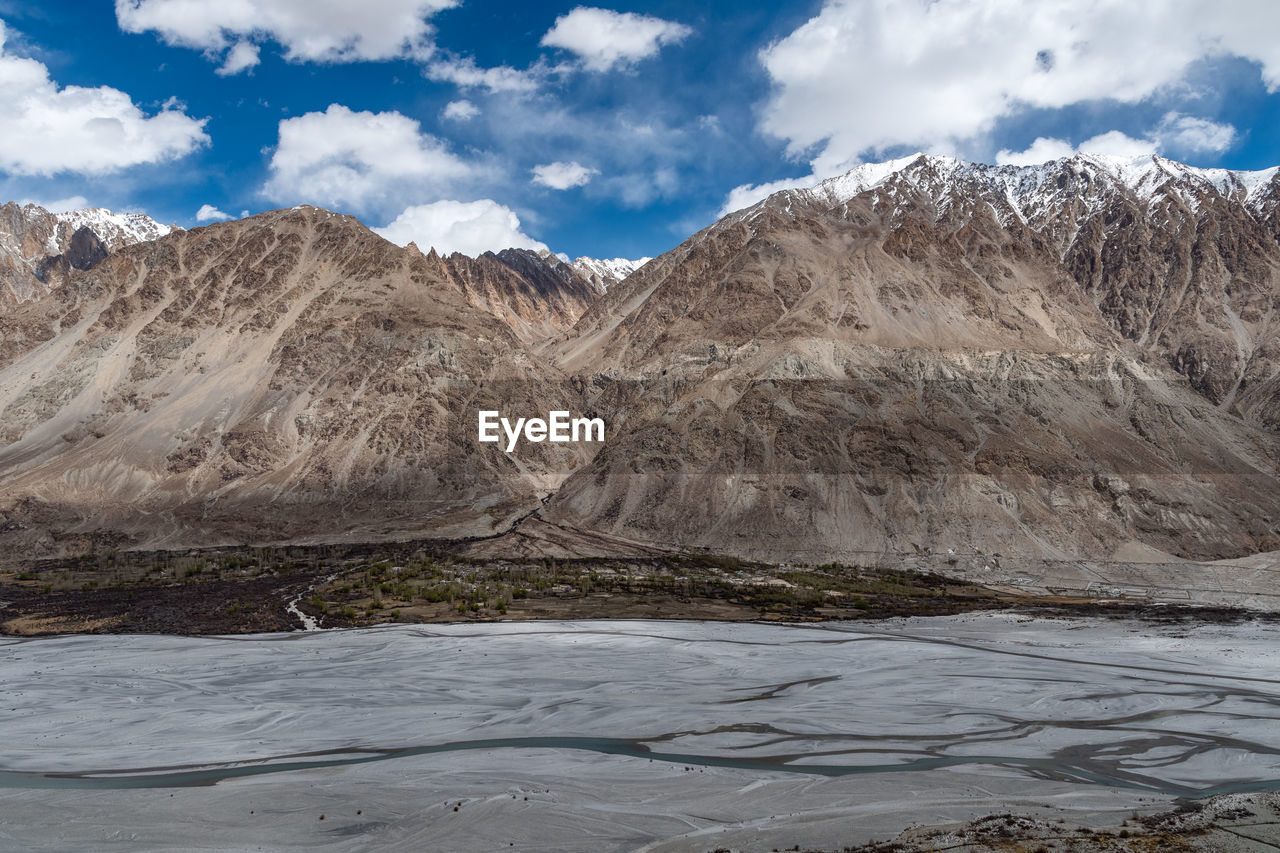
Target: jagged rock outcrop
x,y
536,296
83,251
38,248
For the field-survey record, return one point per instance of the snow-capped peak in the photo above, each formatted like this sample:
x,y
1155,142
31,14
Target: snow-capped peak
x,y
1148,174
604,273
115,230
30,236
867,176
1023,191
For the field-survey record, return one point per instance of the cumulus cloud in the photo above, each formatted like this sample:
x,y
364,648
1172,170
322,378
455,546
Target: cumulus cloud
x,y
868,75
465,73
748,194
341,158
1190,134
602,38
462,110
59,205
309,31
242,56
471,227
1176,133
562,176
209,213
49,129
1113,143
1042,150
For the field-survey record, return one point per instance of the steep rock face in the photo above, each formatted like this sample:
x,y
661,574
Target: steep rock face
x,y
290,376
926,353
38,248
83,251
27,236
560,292
536,297
1183,261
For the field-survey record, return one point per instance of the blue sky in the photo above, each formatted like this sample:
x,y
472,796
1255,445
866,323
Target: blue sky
x,y
615,130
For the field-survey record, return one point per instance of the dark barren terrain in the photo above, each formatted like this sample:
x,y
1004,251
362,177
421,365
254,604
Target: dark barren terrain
x,y
236,591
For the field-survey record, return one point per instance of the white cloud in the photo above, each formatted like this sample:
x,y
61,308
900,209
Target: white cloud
x,y
462,110
50,129
1041,151
603,38
60,205
868,75
634,145
562,176
1189,134
309,30
209,213
748,194
472,227
344,158
468,75
640,187
1174,134
1113,143
242,56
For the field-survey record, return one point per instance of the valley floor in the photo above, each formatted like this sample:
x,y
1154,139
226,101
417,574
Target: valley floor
x,y
647,736
254,590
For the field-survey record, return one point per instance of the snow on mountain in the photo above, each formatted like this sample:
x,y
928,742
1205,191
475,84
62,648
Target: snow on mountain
x,y
1054,197
115,230
604,273
32,238
1031,189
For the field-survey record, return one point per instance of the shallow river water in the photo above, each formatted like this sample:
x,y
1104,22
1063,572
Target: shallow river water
x,y
622,735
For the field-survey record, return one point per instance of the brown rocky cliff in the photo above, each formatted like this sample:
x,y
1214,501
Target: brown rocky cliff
x,y
39,248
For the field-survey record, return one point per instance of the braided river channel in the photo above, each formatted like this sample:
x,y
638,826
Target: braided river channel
x,y
623,735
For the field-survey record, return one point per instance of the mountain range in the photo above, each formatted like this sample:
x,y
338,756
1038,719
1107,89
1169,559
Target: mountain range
x,y
1073,360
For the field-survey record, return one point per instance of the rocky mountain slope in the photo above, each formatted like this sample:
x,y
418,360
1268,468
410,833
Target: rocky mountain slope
x,y
536,295
1064,360
1078,359
290,376
39,248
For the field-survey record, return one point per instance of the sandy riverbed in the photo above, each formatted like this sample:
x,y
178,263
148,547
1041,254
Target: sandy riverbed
x,y
622,735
